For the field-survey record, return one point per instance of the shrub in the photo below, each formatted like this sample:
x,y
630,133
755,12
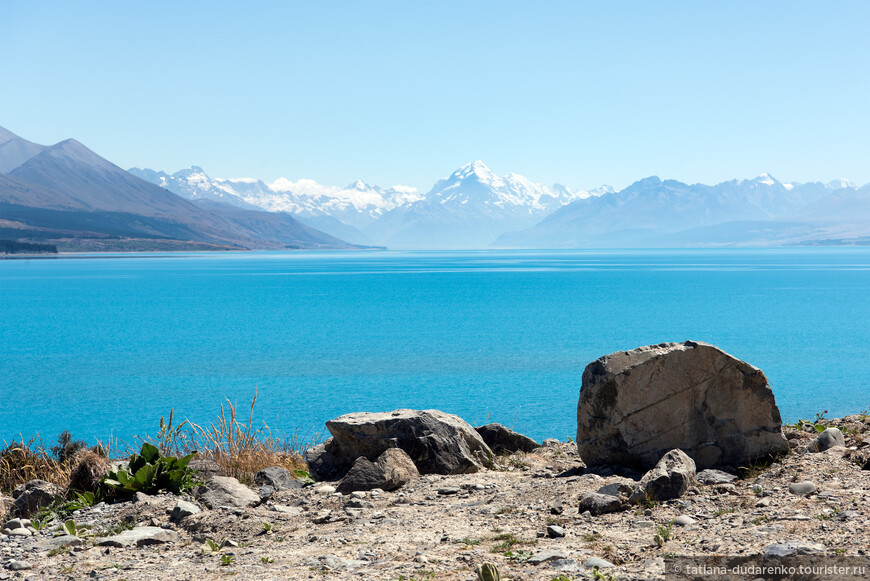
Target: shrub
x,y
149,472
88,471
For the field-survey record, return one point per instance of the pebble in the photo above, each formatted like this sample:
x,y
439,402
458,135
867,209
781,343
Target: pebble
x,y
802,488
448,490
555,532
326,489
19,533
358,494
19,565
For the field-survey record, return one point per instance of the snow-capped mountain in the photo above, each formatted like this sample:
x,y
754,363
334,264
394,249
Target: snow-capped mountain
x,y
653,212
469,209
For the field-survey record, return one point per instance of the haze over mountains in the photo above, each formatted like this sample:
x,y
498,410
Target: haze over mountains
x,y
67,194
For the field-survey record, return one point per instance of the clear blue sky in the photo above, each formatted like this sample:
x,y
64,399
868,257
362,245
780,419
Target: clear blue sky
x,y
405,92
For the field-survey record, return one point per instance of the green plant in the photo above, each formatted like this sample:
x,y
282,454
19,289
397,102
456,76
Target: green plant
x,y
508,541
209,546
467,541
150,472
268,528
70,527
663,533
227,560
599,576
487,572
267,560
303,476
519,555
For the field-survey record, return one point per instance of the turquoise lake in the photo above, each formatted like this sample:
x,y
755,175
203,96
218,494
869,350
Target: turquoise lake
x,y
105,344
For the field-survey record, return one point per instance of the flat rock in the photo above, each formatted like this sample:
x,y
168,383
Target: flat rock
x,y
548,555
565,565
55,543
792,548
139,537
802,488
555,531
713,476
596,562
15,565
504,440
636,405
684,520
227,491
436,442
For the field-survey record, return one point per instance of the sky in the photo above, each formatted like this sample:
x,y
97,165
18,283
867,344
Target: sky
x,y
579,93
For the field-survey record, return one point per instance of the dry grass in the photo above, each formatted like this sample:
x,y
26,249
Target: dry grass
x,y
241,451
24,461
238,449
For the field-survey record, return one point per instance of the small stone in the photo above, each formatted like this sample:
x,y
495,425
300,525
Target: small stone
x,y
291,510
140,537
551,442
644,524
325,489
448,490
830,438
17,523
684,520
712,476
182,510
321,517
596,562
802,488
19,533
763,502
565,565
358,494
598,504
555,532
19,565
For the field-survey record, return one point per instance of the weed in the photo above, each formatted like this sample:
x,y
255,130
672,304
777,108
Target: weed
x,y
599,576
227,560
268,528
508,541
591,538
467,541
722,510
663,533
150,472
267,560
519,555
760,520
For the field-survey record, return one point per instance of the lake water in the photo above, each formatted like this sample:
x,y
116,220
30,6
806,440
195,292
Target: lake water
x,y
107,344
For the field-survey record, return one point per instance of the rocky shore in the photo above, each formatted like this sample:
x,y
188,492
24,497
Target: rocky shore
x,y
422,495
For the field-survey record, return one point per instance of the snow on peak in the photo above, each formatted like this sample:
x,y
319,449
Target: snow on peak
x,y
766,179
840,183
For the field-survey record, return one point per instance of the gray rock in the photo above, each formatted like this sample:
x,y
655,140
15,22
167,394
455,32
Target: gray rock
x,y
555,532
802,488
139,537
792,548
278,478
596,562
684,520
32,496
598,504
19,533
550,442
326,489
501,439
544,556
291,510
437,443
59,542
565,565
15,565
393,469
636,405
670,478
712,476
17,523
182,510
227,491
826,440
623,488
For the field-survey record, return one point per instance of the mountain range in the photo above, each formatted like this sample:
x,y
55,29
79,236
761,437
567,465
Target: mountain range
x,y
67,195
468,209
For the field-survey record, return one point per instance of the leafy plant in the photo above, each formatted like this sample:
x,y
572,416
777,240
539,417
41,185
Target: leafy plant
x,y
599,576
70,527
209,546
663,533
519,555
149,472
227,560
303,476
487,572
268,528
267,560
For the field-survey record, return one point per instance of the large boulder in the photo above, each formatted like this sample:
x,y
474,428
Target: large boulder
x,y
226,491
393,469
637,405
504,440
436,442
